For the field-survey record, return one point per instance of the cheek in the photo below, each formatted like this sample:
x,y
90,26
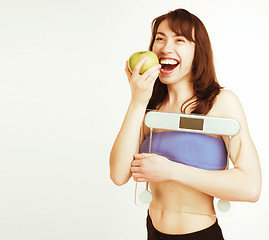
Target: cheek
x,y
188,56
190,59
155,48
192,52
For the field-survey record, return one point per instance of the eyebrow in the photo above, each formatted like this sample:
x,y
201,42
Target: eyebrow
x,y
175,34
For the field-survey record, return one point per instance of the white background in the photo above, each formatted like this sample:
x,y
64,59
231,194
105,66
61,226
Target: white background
x,y
63,97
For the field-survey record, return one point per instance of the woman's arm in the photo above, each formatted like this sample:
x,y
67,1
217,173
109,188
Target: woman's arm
x,y
242,183
126,144
127,141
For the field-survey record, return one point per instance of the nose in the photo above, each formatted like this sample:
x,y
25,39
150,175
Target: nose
x,y
167,47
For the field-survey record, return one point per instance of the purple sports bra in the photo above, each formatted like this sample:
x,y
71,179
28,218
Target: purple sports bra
x,y
193,149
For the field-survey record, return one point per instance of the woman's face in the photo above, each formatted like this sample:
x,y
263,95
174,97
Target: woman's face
x,y
175,54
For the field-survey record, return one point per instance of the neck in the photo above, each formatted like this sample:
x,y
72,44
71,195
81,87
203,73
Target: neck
x,y
178,93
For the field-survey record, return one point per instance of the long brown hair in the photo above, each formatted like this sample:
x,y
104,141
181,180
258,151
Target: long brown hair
x,y
203,77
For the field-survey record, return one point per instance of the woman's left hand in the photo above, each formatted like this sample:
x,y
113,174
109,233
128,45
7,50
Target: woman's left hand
x,y
150,168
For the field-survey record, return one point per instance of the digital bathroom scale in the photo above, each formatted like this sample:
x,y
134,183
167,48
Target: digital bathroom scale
x,y
192,123
188,123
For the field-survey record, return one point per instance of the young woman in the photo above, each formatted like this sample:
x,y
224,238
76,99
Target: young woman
x,y
184,82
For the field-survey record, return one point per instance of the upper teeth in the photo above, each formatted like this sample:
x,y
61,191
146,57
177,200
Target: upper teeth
x,y
168,61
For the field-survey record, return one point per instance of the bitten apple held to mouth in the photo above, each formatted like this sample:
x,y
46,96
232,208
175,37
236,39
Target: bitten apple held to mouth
x,y
150,62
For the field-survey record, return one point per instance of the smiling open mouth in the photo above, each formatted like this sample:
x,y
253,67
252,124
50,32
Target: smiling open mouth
x,y
169,64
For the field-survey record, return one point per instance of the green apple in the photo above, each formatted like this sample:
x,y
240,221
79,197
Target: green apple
x,y
150,62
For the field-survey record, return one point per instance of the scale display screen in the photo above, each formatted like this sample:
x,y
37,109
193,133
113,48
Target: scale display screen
x,y
191,123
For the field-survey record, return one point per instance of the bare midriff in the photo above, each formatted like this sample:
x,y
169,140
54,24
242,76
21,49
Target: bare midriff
x,y
178,209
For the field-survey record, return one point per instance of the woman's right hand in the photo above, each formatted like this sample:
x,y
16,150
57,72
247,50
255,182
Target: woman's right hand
x,y
142,85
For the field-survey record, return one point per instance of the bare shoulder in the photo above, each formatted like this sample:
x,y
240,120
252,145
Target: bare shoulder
x,y
228,105
227,94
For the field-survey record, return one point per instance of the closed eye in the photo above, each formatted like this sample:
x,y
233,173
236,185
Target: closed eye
x,y
180,40
159,39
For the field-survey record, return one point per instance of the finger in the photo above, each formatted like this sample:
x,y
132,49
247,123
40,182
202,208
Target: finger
x,y
150,71
136,163
137,67
137,175
127,71
141,156
140,179
135,170
152,78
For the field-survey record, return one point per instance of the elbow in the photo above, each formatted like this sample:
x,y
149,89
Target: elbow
x,y
118,173
250,188
253,193
117,180
256,190
253,198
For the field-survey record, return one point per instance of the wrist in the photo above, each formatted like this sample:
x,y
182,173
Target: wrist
x,y
138,105
174,171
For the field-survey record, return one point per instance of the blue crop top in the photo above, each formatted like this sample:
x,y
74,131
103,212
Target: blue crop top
x,y
193,149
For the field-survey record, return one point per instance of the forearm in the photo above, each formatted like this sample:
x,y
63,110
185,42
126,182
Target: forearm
x,y
232,184
125,145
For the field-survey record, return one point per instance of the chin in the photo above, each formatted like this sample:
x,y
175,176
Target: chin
x,y
174,79
168,80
